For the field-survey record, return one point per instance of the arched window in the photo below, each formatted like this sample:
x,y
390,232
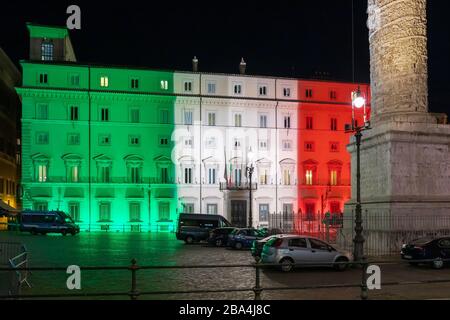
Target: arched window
x,y
310,172
41,163
334,172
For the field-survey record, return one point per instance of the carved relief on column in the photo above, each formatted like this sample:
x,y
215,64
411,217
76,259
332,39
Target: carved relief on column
x,y
398,56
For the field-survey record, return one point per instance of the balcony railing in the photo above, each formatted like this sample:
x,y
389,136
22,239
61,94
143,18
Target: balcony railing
x,y
114,180
234,186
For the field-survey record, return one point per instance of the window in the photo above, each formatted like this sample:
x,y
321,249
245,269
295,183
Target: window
x,y
188,175
164,141
309,93
135,211
237,89
188,86
188,117
333,177
263,212
317,244
309,123
262,90
263,121
334,146
188,142
211,142
134,140
164,175
287,177
164,211
288,208
287,122
43,78
262,145
309,146
298,243
188,208
164,116
287,145
212,176
104,81
237,176
135,115
211,208
237,143
238,120
42,111
46,51
41,137
333,95
74,210
164,85
104,139
134,174
104,174
333,124
211,118
211,88
2,185
73,172
40,206
74,113
134,83
74,80
41,170
104,114
263,176
104,211
287,92
309,177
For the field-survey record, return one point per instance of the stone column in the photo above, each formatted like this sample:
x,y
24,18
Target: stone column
x,y
398,57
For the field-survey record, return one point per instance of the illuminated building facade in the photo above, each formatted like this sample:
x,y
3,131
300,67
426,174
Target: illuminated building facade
x,y
129,149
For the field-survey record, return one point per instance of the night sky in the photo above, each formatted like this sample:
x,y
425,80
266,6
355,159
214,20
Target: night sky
x,y
281,38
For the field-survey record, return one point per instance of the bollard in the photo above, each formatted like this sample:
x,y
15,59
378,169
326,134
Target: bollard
x,y
364,289
257,289
133,268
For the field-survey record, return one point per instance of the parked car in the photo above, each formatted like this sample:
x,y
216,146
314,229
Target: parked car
x,y
241,238
196,227
258,245
436,249
219,237
288,250
270,232
44,222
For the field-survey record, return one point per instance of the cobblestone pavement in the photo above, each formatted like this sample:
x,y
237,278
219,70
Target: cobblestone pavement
x,y
117,249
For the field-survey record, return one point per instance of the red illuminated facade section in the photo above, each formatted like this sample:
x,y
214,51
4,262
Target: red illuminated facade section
x,y
324,164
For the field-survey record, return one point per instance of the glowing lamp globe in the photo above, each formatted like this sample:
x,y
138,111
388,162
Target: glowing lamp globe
x,y
359,102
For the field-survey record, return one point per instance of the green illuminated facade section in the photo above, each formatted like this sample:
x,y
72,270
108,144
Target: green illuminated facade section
x,y
97,144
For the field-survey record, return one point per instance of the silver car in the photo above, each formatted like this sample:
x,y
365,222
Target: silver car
x,y
289,250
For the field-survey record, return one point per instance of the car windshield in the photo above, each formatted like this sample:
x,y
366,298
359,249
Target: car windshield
x,y
235,231
422,241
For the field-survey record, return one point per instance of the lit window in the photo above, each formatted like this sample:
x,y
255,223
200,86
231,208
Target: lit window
x,y
287,177
333,178
309,177
211,88
41,171
164,85
104,81
188,117
73,172
46,51
211,208
263,176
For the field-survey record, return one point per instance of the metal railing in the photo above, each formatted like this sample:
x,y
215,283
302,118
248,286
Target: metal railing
x,y
134,293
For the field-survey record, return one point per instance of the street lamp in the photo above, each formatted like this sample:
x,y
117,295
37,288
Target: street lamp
x,y
250,170
358,102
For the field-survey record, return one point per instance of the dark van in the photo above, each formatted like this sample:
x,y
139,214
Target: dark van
x,y
44,222
196,227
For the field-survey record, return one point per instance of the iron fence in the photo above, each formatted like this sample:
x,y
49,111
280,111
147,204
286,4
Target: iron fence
x,y
134,293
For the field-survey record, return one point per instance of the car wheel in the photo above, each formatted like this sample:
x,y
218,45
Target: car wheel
x,y
238,245
438,263
341,266
286,265
64,232
189,240
218,242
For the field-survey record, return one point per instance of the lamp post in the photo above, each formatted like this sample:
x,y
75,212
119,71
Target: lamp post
x,y
358,102
250,169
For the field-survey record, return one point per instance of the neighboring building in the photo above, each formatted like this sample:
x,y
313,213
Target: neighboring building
x,y
9,143
131,148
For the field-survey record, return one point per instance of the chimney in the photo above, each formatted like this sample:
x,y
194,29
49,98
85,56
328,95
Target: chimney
x,y
195,64
242,66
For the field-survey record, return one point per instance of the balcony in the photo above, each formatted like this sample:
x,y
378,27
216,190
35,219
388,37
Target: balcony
x,y
112,180
233,186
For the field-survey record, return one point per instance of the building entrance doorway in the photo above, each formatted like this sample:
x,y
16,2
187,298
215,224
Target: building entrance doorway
x,y
239,213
